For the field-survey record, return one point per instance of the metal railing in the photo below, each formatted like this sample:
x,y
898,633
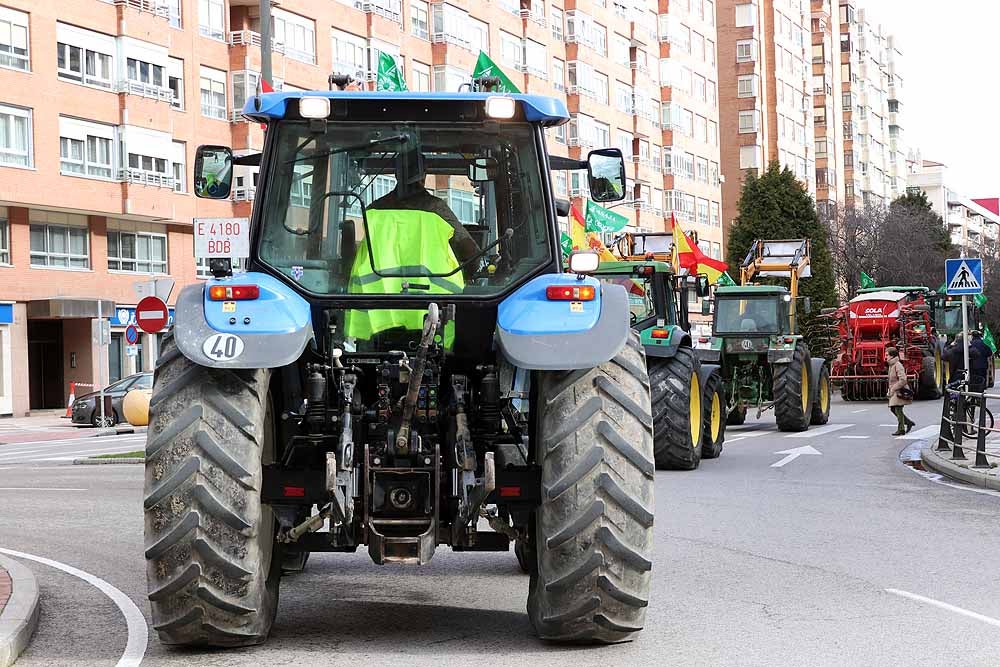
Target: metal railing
x,y
964,414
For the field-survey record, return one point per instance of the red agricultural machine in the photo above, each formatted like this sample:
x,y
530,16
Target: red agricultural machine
x,y
873,321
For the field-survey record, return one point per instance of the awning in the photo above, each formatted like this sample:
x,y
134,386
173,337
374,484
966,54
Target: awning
x,y
66,308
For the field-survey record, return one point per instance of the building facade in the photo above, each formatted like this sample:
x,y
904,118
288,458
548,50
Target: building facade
x,y
974,228
103,103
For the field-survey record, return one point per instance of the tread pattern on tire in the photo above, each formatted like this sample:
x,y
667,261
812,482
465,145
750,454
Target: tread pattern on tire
x,y
709,449
927,381
202,511
788,412
594,528
670,387
819,416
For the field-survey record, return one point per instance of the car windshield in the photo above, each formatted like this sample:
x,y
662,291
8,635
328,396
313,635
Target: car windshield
x,y
640,295
406,209
121,385
751,315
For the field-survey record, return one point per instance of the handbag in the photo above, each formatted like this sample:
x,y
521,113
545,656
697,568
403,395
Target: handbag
x,y
905,393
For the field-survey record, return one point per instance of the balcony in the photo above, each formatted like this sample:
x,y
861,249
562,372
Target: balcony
x,y
243,193
387,9
535,16
158,7
130,87
251,38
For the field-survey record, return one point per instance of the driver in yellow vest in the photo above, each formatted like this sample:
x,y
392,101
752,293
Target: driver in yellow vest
x,y
412,234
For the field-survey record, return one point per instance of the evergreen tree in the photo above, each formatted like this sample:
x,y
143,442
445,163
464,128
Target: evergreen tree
x,y
776,205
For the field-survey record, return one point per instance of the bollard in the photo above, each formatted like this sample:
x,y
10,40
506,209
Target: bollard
x,y
958,422
981,461
945,434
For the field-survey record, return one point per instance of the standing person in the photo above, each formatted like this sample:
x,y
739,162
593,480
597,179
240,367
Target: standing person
x,y
979,362
955,357
898,381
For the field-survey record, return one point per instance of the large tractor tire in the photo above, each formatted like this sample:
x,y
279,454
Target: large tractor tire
x,y
927,383
824,395
594,526
676,388
212,566
792,398
714,426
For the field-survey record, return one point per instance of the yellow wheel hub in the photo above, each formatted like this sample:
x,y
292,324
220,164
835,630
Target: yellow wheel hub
x,y
694,407
938,368
824,395
716,418
805,389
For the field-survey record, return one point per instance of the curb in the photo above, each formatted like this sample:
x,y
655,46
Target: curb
x,y
20,617
99,462
117,430
933,460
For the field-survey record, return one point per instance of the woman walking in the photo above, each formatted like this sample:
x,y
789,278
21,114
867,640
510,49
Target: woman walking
x,y
900,393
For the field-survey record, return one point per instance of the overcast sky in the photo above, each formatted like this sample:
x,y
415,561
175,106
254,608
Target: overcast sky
x,y
951,94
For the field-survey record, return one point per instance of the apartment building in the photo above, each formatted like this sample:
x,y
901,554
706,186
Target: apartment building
x,y
875,164
828,112
103,103
974,225
765,92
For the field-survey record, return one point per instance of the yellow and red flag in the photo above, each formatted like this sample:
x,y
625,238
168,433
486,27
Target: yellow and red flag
x,y
584,240
689,256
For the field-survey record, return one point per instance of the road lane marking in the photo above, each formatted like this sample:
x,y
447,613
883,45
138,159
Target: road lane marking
x,y
138,631
944,605
854,437
77,442
823,430
854,412
38,488
793,454
925,432
6,453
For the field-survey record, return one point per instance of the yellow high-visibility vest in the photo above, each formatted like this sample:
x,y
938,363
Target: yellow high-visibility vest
x,y
410,242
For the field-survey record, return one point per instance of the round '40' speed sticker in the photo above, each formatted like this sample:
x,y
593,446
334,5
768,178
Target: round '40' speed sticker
x,y
222,347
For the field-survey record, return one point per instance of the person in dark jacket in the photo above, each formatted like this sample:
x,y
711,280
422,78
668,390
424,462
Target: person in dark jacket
x,y
979,361
955,356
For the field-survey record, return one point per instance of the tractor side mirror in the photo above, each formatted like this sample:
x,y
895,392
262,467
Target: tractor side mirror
x,y
213,172
702,286
606,174
807,305
706,307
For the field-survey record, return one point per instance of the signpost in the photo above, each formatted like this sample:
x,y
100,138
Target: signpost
x,y
131,334
964,276
151,314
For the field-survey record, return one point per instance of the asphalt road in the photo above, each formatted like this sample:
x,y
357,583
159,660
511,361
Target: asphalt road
x,y
816,562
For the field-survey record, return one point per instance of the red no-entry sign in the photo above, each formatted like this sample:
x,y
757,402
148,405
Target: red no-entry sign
x,y
151,314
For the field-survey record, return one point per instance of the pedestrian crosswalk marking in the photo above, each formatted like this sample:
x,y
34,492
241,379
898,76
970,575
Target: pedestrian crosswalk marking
x,y
823,430
925,432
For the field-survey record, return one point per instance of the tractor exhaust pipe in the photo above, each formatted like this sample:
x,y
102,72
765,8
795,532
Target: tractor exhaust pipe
x,y
416,377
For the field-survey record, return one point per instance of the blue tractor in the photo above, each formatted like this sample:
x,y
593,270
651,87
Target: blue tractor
x,y
403,358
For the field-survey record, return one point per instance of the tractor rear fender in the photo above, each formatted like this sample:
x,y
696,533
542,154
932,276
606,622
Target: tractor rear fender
x,y
708,355
815,370
270,331
664,347
780,356
536,333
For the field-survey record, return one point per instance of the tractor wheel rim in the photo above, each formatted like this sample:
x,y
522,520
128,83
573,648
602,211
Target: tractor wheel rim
x,y
805,389
716,421
938,370
824,396
694,411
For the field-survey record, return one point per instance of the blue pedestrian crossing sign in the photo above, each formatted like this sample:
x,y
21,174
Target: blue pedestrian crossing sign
x,y
963,276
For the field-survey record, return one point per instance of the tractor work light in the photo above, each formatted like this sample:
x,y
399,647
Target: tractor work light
x,y
583,261
500,107
233,292
314,107
570,293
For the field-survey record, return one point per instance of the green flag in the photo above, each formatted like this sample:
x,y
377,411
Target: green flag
x,y
566,243
988,338
943,289
486,67
980,301
389,77
725,280
600,219
866,281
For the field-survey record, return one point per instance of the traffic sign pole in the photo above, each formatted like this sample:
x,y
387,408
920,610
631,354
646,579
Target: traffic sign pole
x,y
100,359
965,340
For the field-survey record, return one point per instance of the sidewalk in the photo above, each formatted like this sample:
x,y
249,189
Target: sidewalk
x,y
18,609
961,469
51,425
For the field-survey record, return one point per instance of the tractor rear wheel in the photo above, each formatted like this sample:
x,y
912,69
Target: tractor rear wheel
x,y
821,403
928,380
594,526
714,427
678,417
792,399
211,563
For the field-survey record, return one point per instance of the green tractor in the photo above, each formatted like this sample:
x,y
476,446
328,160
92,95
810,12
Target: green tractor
x,y
946,313
687,396
765,362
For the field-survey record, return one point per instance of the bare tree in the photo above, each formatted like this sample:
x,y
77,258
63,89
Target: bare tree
x,y
854,241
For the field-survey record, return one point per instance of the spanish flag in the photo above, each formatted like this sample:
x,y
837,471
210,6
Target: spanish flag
x,y
689,256
584,240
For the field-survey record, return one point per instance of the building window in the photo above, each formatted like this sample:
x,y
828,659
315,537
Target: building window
x,y
15,137
147,79
561,133
297,34
746,86
177,164
819,115
745,51
60,246
137,252
703,211
419,24
748,121
745,16
211,18
213,93
94,160
558,74
349,53
148,169
557,23
244,86
560,183
535,57
511,50
175,80
421,76
714,220
749,157
5,236
13,39
174,13
75,63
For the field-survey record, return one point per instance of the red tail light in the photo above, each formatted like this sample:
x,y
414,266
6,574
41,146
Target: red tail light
x,y
233,292
570,293
660,333
294,492
510,491
789,339
704,340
